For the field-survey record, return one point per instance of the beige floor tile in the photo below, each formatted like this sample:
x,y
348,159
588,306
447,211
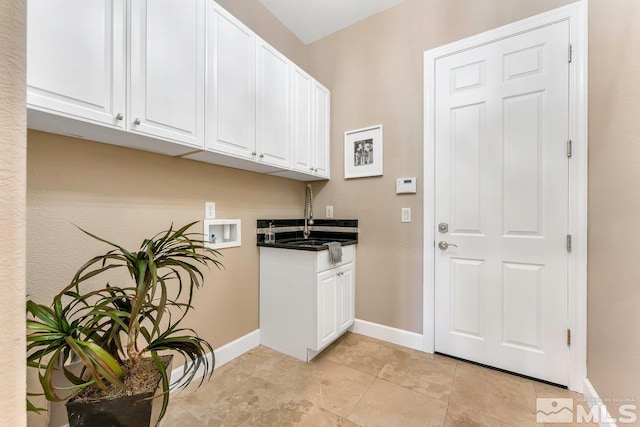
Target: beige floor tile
x,y
234,403
320,417
365,354
505,397
460,417
422,372
386,404
178,416
280,412
341,387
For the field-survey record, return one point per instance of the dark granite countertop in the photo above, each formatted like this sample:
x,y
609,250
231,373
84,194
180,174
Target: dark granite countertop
x,y
289,233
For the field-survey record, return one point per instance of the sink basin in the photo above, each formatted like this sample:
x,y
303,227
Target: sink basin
x,y
307,242
312,244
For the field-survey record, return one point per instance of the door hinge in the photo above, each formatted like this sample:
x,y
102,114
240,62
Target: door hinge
x,y
569,148
570,53
568,242
568,337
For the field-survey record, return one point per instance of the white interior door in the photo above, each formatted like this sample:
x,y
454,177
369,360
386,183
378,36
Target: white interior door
x,y
501,186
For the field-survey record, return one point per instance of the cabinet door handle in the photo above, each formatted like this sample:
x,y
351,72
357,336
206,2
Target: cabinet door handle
x,y
315,170
262,156
254,154
119,117
136,121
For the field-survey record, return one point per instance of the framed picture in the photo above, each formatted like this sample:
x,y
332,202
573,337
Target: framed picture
x,y
363,152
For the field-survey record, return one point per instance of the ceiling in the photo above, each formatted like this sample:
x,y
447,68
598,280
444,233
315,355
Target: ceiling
x,y
312,20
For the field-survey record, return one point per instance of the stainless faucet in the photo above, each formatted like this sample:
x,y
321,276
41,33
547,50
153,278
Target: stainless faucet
x,y
308,211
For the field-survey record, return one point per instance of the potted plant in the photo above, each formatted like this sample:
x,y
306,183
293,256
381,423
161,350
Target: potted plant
x,y
122,337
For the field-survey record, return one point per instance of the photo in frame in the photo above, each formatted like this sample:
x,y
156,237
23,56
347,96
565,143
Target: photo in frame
x,y
363,152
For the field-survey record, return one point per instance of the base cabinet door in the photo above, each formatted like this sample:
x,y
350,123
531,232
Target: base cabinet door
x,y
76,59
167,85
327,308
346,297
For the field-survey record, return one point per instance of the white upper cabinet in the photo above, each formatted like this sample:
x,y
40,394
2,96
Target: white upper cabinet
x,y
310,125
167,84
321,123
302,132
273,103
182,78
76,59
231,93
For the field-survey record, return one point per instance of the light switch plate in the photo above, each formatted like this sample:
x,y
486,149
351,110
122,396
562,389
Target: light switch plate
x,y
406,214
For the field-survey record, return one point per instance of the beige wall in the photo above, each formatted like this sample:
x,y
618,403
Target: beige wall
x,y
374,70
12,210
613,358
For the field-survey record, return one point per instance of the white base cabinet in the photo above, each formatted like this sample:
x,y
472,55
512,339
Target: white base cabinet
x,y
305,301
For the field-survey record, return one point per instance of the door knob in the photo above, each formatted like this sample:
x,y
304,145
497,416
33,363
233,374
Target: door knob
x,y
444,245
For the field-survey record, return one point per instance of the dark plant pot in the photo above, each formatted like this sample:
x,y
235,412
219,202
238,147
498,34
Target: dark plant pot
x,y
140,410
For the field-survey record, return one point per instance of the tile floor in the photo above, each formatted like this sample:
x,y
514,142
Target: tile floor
x,y
358,381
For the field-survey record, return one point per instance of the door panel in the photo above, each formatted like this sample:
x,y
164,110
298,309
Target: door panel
x,y
346,300
327,326
501,170
76,58
321,112
167,69
273,133
302,143
231,93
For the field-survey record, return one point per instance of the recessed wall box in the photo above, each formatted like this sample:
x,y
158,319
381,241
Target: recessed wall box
x,y
406,185
222,233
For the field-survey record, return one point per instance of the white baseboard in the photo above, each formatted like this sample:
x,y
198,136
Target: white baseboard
x,y
224,354
593,398
387,333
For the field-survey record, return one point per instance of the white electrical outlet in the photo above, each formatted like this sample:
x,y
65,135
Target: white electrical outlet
x,y
406,214
210,210
329,212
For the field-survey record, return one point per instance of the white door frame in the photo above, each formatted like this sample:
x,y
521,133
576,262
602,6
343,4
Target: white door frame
x,y
576,14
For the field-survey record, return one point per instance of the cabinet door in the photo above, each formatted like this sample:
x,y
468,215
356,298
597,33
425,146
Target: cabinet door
x,y
327,320
76,59
321,114
346,297
272,106
167,70
231,90
301,106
